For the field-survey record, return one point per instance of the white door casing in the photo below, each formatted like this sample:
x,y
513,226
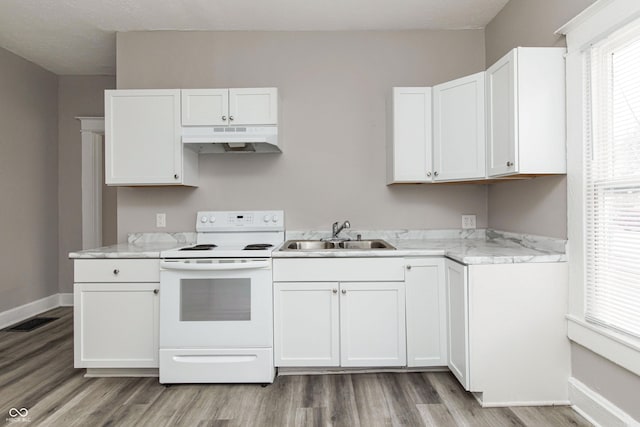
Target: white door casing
x,y
92,131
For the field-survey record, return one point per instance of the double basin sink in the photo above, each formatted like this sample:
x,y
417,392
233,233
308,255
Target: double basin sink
x,y
322,245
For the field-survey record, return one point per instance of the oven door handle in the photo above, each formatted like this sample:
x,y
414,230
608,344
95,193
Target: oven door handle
x,y
177,265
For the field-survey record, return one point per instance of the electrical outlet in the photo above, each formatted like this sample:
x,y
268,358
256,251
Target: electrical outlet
x,y
468,221
161,220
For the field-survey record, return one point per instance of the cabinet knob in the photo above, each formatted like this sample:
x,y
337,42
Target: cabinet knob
x,y
408,267
509,164
335,291
344,291
231,118
116,271
155,291
224,118
435,173
428,173
175,176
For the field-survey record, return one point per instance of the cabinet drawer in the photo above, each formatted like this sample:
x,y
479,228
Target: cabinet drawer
x,y
338,269
117,270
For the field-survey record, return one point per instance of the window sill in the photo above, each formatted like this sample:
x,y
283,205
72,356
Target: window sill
x,y
620,349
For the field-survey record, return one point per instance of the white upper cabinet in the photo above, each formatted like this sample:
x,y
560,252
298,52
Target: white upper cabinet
x,y
205,107
525,105
221,107
409,135
254,106
142,139
459,129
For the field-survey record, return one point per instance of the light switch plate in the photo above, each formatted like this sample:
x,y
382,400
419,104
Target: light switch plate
x,y
468,221
161,220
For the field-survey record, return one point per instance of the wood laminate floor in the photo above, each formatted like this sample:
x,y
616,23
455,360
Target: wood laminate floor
x,y
36,372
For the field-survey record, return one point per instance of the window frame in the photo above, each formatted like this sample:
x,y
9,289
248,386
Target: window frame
x,y
594,24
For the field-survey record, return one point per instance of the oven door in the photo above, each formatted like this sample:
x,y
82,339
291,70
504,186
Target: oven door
x,y
216,303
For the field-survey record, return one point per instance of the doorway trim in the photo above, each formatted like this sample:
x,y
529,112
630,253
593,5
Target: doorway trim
x,y
92,131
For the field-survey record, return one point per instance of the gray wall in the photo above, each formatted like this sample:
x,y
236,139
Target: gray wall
x,y
333,87
78,96
28,182
537,206
540,206
616,384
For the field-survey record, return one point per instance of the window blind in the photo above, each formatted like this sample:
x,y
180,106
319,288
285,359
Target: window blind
x,y
612,179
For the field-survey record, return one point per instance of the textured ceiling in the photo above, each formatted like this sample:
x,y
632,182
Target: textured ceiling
x,y
78,36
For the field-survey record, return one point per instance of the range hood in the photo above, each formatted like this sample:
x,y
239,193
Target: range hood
x,y
231,139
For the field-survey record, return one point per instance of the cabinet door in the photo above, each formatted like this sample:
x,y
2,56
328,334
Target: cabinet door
x,y
459,129
205,107
142,137
255,106
409,150
502,121
306,324
458,321
115,325
426,312
372,324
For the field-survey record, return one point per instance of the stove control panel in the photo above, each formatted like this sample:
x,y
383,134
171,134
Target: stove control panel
x,y
212,221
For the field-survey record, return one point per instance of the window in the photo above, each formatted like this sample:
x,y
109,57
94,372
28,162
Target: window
x,y
612,180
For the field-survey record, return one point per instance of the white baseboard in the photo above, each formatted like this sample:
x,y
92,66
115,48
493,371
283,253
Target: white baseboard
x,y
595,408
34,308
66,300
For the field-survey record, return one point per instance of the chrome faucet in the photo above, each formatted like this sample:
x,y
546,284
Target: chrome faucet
x,y
336,229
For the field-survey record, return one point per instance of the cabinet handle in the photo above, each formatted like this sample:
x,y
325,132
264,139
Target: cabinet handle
x,y
509,164
435,173
231,118
116,271
175,176
155,291
408,267
428,173
335,291
224,118
344,291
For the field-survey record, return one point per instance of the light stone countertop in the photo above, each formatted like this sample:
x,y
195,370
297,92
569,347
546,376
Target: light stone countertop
x,y
465,246
139,245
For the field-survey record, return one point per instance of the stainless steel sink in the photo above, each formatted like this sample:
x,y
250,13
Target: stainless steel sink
x,y
320,245
307,245
365,244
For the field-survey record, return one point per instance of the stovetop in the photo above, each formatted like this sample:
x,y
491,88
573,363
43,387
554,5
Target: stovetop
x,y
261,250
236,234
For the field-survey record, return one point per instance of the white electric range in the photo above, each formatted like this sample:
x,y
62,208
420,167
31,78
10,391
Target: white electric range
x,y
216,315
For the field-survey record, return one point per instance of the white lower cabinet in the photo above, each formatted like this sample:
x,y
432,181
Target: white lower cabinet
x,y
508,333
372,324
346,312
353,324
115,313
116,325
458,321
306,324
426,312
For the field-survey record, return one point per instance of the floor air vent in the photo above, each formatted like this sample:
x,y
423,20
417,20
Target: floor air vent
x,y
31,324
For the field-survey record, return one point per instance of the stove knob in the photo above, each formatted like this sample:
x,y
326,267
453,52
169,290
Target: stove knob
x,y
275,218
266,218
203,219
212,219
